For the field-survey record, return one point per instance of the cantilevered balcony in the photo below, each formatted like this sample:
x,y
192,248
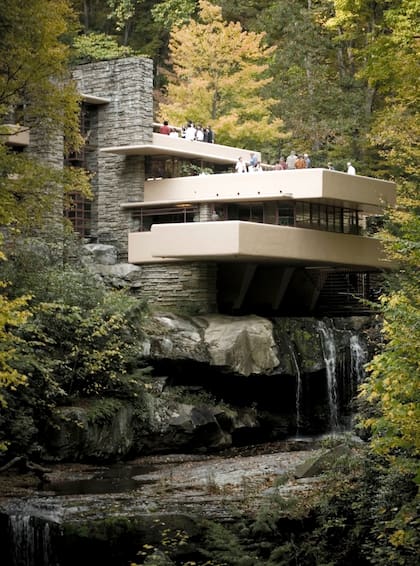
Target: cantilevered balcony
x,y
236,241
329,187
16,135
164,145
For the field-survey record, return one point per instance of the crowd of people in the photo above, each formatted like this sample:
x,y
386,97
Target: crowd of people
x,y
293,161
192,132
189,132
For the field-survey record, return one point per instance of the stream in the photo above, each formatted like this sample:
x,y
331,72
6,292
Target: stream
x,y
102,514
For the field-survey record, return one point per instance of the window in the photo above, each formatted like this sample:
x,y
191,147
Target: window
x,y
79,210
325,217
79,214
147,217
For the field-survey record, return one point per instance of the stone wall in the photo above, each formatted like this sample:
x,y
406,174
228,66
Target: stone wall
x,y
48,149
125,120
187,287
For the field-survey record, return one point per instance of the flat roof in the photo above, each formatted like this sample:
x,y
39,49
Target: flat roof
x,y
168,146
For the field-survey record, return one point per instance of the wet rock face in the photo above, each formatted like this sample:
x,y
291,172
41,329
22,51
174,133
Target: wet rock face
x,y
167,426
220,381
246,345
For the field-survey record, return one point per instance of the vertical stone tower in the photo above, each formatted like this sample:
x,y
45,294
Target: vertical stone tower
x,y
118,98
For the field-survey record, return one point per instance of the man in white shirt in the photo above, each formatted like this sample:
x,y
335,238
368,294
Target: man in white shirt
x,y
350,169
190,132
240,166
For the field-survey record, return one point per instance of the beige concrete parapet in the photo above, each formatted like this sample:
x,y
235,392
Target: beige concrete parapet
x,y
168,146
19,135
329,187
247,241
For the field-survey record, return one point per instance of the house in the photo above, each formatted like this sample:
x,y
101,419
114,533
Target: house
x,y
274,243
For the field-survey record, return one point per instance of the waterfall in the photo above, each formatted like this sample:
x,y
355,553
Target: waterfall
x,y
358,358
298,397
30,535
298,401
330,357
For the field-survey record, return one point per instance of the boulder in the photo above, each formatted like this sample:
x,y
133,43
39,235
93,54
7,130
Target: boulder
x,y
101,254
321,462
244,345
159,424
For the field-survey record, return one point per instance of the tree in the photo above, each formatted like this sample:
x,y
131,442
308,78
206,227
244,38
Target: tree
x,y
306,59
387,58
123,13
393,384
13,313
35,92
97,47
380,40
219,75
170,13
34,76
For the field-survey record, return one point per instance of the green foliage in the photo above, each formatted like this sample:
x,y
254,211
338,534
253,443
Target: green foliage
x,y
13,314
98,47
173,13
80,340
87,351
393,385
30,191
103,410
34,77
362,507
364,513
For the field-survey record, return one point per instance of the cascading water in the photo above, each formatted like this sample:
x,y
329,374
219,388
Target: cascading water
x,y
29,538
358,358
298,388
330,357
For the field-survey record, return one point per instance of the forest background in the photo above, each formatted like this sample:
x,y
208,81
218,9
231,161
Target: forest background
x,y
336,79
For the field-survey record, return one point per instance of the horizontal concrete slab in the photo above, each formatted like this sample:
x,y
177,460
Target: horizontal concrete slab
x,y
247,241
319,185
179,147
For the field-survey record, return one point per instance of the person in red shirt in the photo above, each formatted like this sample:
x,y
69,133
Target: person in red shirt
x,y
165,129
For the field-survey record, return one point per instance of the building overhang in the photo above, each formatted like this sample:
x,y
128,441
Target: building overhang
x,y
95,100
167,146
16,135
236,241
319,185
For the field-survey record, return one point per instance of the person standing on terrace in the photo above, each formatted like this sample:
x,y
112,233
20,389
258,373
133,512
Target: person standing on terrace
x,y
208,135
190,132
165,129
291,160
281,165
350,169
240,166
300,163
199,135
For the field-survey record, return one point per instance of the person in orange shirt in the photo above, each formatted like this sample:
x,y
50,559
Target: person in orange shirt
x,y
300,162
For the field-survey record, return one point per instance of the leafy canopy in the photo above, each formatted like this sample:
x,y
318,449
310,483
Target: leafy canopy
x,y
393,387
34,75
219,73
97,47
35,92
